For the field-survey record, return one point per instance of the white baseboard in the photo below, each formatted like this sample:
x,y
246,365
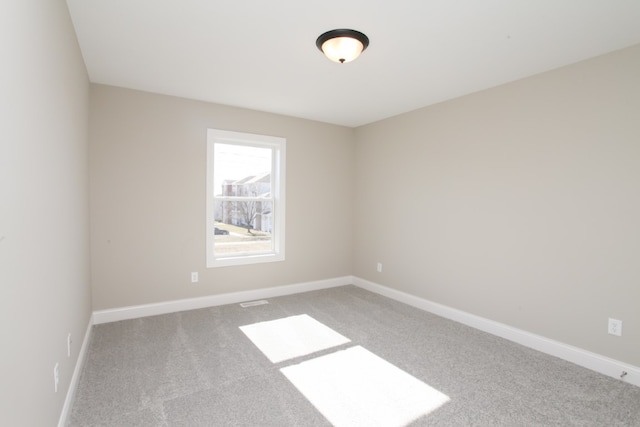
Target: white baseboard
x,y
134,312
581,357
584,358
71,391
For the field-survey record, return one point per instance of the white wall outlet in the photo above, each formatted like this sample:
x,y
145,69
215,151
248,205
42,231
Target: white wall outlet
x,y
379,267
194,277
69,345
615,327
56,378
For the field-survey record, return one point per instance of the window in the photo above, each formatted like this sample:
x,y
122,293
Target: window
x,y
245,198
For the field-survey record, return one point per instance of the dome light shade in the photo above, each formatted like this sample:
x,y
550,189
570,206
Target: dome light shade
x,y
342,45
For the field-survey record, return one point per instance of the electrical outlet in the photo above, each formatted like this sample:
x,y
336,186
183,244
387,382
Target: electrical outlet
x,y
379,267
615,327
194,277
69,345
56,378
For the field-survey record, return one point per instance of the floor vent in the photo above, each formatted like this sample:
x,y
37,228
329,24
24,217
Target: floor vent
x,y
253,303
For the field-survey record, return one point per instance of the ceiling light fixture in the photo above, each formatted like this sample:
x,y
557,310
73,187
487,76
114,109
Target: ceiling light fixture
x,y
342,45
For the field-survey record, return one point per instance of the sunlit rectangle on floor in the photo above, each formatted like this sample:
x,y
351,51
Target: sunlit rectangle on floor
x,y
290,337
354,387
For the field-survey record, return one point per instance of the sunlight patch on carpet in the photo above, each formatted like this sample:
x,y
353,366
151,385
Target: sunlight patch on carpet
x,y
291,337
354,387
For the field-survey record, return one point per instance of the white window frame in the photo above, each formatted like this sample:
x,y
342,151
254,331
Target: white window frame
x,y
278,145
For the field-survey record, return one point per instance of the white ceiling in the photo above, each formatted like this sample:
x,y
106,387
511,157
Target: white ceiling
x,y
262,55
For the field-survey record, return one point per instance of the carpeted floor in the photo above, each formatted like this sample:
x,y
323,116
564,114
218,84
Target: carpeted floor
x,y
341,356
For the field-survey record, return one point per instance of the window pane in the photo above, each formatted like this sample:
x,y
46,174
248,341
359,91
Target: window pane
x,y
242,227
235,163
233,239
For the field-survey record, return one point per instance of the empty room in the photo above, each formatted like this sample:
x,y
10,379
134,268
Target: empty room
x,y
246,213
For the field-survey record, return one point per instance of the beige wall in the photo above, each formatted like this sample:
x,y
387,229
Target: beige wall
x,y
148,167
520,204
44,225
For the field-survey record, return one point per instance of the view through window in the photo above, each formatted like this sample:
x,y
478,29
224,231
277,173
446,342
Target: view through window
x,y
245,198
